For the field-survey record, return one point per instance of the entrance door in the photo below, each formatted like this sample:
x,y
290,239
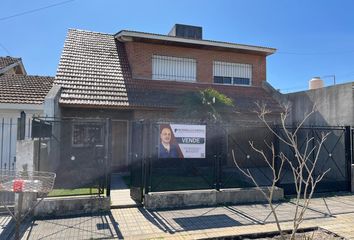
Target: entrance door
x,y
119,146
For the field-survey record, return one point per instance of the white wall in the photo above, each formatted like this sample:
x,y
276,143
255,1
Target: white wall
x,y
8,132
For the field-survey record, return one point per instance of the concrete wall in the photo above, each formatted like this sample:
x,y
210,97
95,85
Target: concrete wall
x,y
8,132
140,60
335,105
180,199
27,154
52,111
71,206
26,151
51,103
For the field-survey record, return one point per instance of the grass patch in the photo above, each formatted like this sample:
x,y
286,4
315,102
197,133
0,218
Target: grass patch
x,y
72,192
171,183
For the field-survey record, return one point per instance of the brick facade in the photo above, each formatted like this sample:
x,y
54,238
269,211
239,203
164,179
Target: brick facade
x,y
140,60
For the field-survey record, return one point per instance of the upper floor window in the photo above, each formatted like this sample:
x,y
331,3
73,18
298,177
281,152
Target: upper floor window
x,y
174,68
232,73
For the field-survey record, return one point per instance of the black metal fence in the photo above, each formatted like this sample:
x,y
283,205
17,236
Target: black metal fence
x,y
352,146
217,170
80,152
9,134
77,150
8,137
334,156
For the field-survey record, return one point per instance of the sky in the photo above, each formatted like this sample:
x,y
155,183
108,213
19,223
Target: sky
x,y
312,38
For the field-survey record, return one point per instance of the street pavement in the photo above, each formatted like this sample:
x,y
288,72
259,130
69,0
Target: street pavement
x,y
336,214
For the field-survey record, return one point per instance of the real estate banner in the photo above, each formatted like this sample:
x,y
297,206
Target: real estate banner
x,y
182,141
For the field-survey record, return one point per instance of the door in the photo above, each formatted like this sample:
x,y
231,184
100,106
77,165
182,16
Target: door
x,y
120,160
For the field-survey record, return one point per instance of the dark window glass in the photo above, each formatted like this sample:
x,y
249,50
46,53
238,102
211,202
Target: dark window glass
x,y
230,80
227,80
241,81
218,79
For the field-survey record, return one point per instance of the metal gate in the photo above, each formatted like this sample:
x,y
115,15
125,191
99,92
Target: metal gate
x,y
334,156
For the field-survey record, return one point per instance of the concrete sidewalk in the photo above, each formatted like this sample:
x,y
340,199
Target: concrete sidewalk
x,y
120,193
335,214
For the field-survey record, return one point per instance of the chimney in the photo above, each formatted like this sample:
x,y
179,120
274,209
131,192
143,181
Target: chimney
x,y
315,83
186,31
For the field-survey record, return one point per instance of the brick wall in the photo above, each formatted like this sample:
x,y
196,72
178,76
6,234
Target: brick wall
x,y
140,60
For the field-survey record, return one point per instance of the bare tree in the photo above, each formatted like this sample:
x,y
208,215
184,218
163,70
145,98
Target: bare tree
x,y
302,165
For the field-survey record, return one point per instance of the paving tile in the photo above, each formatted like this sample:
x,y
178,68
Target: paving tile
x,y
139,223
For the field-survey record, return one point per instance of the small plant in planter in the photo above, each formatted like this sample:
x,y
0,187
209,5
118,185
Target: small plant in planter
x,y
207,105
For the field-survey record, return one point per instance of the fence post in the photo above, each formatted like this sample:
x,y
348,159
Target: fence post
x,y
220,149
150,152
21,126
141,159
276,152
2,141
10,142
348,154
147,156
39,147
108,155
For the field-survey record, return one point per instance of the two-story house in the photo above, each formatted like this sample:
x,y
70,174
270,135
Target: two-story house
x,y
136,75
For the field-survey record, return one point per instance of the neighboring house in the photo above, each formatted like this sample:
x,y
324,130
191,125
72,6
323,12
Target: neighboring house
x,y
11,65
136,75
20,95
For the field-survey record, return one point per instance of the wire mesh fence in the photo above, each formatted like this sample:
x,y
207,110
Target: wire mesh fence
x,y
26,181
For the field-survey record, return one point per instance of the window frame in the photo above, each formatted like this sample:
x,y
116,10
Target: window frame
x,y
176,68
233,77
86,140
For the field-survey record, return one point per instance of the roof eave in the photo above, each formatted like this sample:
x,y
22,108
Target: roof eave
x,y
125,36
130,107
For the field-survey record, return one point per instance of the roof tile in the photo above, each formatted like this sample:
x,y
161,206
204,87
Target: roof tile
x,y
93,70
7,61
24,88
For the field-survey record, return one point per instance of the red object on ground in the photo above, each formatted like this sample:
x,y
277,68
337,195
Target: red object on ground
x,y
18,185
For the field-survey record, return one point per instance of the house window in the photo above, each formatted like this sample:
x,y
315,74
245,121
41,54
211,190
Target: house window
x,y
232,73
174,68
85,135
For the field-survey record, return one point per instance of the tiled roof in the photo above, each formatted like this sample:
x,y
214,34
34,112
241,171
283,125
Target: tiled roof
x,y
168,94
7,61
24,89
93,70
